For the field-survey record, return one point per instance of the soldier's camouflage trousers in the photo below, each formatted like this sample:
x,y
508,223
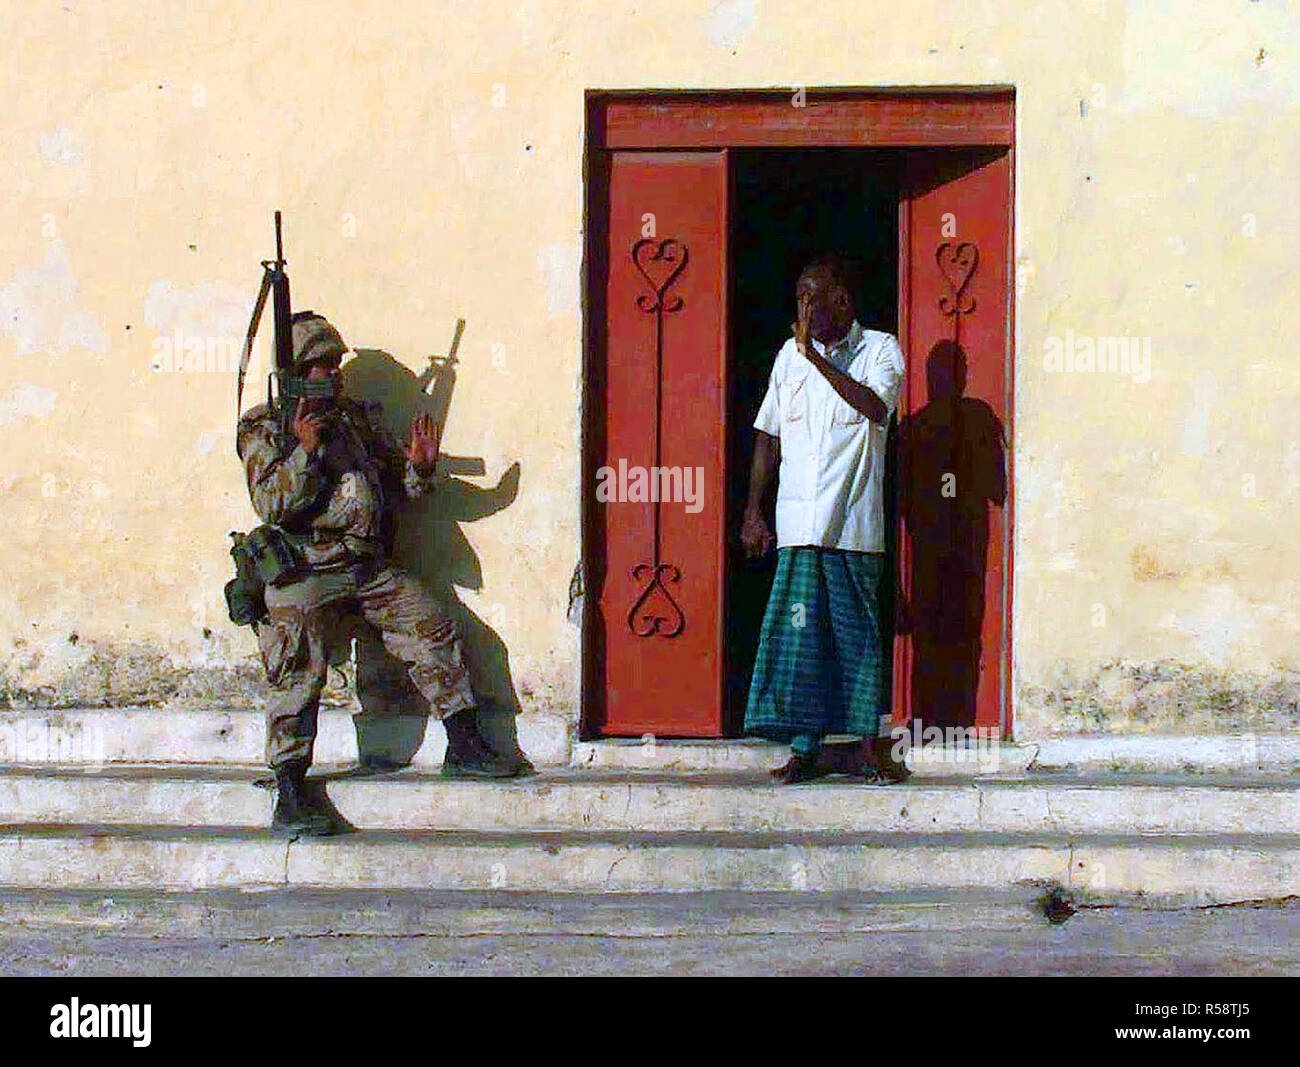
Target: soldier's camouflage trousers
x,y
311,622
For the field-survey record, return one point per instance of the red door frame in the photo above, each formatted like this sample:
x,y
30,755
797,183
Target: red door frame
x,y
902,117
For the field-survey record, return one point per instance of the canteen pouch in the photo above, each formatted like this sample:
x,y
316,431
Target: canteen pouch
x,y
263,556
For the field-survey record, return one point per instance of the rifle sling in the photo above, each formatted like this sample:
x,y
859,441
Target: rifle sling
x,y
247,354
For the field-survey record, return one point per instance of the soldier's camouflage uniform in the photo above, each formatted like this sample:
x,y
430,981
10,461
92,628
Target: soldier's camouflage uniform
x,y
338,505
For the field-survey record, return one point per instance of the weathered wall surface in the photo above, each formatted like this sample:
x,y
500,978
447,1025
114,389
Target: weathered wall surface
x,y
428,158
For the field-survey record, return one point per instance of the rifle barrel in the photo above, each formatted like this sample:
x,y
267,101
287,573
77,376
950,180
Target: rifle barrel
x,y
455,341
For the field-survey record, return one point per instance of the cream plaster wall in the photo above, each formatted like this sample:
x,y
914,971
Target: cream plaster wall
x,y
146,144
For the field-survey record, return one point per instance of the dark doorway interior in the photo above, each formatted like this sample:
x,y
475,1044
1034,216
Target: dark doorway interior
x,y
787,207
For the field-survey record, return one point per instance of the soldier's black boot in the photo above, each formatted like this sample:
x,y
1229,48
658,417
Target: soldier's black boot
x,y
295,813
468,755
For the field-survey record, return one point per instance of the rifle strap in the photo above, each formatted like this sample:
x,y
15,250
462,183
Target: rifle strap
x,y
249,338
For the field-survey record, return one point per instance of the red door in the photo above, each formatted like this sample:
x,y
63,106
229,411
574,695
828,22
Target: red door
x,y
656,396
658,446
952,654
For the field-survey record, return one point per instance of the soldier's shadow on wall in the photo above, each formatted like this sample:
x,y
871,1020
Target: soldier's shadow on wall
x,y
432,546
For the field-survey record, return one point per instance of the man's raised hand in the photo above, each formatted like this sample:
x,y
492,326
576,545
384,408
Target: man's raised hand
x,y
803,328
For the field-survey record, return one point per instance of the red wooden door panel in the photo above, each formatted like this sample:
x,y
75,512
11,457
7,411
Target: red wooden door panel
x,y
952,654
662,408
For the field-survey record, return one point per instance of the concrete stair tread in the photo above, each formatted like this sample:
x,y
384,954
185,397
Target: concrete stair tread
x,y
177,827
657,803
224,735
686,780
1209,869
288,911
549,839
412,911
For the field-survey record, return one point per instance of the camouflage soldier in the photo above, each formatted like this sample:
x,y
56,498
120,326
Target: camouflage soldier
x,y
332,487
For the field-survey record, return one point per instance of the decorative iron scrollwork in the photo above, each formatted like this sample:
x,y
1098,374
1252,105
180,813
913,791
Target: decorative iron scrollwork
x,y
647,252
645,619
660,263
957,263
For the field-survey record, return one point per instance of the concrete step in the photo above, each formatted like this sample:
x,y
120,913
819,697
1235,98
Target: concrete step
x,y
292,932
225,736
308,913
94,737
234,737
1202,869
648,802
177,829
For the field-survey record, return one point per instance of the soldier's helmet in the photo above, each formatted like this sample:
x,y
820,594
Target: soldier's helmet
x,y
313,339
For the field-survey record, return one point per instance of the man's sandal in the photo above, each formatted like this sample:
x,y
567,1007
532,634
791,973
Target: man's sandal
x,y
798,769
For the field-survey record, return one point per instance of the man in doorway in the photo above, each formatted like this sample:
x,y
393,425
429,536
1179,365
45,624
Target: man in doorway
x,y
822,658
331,487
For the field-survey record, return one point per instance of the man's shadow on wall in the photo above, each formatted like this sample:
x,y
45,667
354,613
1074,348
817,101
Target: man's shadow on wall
x,y
952,462
431,545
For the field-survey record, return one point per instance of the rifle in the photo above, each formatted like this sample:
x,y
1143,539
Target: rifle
x,y
438,363
274,275
265,555
289,386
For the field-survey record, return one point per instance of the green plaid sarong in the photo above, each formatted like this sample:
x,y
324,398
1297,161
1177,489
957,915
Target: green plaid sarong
x,y
821,659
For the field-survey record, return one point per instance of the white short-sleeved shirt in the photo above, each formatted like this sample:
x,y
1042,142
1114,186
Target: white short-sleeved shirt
x,y
830,491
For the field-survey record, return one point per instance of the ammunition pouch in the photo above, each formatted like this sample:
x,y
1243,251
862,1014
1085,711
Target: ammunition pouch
x,y
264,556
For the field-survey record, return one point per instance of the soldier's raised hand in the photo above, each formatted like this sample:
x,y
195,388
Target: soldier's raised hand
x,y
426,440
308,425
